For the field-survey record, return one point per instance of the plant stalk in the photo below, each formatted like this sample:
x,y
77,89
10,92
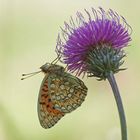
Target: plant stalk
x,y
118,99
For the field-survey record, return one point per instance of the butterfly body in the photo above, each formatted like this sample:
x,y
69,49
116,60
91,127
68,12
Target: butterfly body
x,y
60,93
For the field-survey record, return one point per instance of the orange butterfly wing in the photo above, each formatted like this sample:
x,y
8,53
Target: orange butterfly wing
x,y
48,115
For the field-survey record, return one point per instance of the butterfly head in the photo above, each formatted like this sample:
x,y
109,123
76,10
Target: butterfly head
x,y
46,68
52,68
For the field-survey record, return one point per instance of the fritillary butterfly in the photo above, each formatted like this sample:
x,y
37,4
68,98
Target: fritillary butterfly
x,y
60,93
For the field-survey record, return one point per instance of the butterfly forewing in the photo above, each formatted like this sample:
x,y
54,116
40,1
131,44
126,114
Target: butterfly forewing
x,y
48,115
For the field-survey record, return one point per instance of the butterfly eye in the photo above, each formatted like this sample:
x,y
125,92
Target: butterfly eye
x,y
45,67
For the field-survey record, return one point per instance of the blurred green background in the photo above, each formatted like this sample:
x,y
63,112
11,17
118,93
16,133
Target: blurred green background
x,y
28,32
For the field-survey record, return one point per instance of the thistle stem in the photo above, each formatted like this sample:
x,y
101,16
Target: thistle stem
x,y
117,96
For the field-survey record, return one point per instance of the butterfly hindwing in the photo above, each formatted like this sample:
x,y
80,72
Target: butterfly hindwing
x,y
67,92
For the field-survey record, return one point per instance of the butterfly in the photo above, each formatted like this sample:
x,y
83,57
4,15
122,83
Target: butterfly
x,y
60,93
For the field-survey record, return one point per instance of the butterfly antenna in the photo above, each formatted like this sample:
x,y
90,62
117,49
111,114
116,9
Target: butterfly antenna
x,y
29,75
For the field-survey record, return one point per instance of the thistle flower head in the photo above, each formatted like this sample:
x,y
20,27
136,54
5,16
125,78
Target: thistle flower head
x,y
94,45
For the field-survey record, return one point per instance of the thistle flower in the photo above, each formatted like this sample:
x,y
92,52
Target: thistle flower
x,y
84,43
95,46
